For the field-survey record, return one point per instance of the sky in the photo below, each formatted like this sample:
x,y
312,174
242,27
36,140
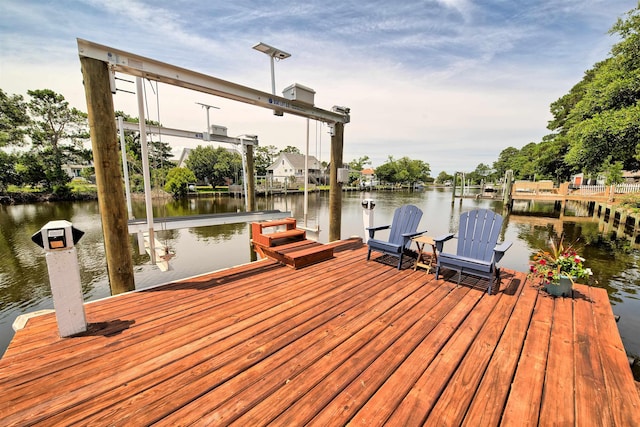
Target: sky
x,y
448,82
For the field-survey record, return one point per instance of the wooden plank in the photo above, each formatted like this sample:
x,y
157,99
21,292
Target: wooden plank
x,y
430,334
524,400
143,312
39,333
298,254
310,254
622,395
458,394
175,373
591,396
289,222
165,346
223,380
488,403
401,403
558,394
310,383
161,344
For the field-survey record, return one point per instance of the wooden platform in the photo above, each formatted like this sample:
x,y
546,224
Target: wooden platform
x,y
297,254
289,247
344,341
275,238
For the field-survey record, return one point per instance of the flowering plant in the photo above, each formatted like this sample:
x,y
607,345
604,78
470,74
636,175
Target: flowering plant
x,y
558,261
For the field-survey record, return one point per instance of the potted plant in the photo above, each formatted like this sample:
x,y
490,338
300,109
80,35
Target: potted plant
x,y
558,267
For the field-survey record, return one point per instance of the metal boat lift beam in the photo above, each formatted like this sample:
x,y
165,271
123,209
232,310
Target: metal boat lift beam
x,y
153,129
135,65
178,222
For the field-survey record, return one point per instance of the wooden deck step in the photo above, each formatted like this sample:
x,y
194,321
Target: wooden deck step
x,y
276,238
298,254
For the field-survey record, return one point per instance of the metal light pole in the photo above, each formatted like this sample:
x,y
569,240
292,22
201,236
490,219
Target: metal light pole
x,y
273,53
208,124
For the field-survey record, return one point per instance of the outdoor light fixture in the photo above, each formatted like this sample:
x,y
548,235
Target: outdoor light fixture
x,y
273,53
208,125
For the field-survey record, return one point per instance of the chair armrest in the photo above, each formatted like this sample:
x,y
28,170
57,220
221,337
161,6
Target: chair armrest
x,y
441,239
412,235
406,237
500,249
372,230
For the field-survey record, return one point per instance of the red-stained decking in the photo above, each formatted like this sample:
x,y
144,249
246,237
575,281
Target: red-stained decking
x,y
342,341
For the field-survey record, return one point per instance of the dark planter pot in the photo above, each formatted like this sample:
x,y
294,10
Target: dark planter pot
x,y
560,289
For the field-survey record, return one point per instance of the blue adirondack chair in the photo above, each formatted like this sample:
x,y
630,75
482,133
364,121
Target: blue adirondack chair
x,y
403,227
478,250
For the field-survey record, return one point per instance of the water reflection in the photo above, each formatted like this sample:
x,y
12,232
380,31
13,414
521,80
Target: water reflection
x,y
23,275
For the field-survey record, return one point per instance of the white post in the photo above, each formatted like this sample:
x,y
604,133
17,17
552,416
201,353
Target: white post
x,y
57,239
208,125
306,179
125,167
244,174
273,76
144,152
367,216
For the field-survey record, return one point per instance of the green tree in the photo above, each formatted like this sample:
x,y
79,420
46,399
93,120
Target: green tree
x,y
8,173
522,161
482,172
505,160
403,170
159,155
291,149
613,171
30,169
178,180
600,117
57,133
88,174
444,177
356,166
263,157
13,119
550,162
214,165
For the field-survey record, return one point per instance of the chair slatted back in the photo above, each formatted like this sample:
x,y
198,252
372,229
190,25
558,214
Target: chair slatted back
x,y
405,220
478,234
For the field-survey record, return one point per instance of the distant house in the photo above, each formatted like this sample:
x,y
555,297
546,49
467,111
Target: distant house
x,y
580,179
75,170
369,178
631,177
287,165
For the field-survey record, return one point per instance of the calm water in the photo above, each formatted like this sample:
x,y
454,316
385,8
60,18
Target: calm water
x,y
24,283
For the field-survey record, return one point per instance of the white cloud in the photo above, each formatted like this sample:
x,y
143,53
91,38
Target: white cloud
x,y
449,82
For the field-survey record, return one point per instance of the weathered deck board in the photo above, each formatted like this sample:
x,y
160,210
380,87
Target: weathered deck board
x,y
341,342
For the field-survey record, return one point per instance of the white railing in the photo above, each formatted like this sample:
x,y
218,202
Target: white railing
x,y
590,189
601,188
627,188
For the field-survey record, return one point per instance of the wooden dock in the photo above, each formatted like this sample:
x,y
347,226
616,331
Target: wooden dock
x,y
344,341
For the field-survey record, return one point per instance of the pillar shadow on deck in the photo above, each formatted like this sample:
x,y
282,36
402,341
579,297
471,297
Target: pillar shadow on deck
x,y
106,329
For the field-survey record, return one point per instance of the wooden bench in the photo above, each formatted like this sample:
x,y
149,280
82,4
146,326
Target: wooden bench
x,y
276,237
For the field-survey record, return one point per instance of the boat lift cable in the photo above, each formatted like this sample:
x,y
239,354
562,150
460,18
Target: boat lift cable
x,y
306,185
